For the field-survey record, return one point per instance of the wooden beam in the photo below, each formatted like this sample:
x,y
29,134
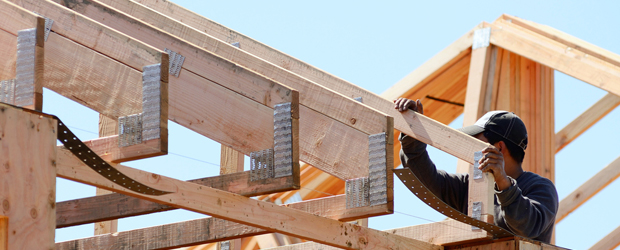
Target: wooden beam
x,y
28,183
588,189
115,206
610,241
241,209
568,60
4,233
107,127
584,121
565,39
231,161
481,70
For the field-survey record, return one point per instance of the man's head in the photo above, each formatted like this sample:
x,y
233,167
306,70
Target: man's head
x,y
503,126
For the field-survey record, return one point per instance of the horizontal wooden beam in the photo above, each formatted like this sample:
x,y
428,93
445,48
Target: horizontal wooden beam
x,y
586,120
241,209
206,230
568,60
588,189
116,206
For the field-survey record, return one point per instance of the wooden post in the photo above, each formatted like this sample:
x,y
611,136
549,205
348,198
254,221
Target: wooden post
x,y
231,161
4,233
28,178
107,127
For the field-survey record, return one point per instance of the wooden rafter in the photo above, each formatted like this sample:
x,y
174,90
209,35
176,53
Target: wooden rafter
x,y
241,209
610,241
586,120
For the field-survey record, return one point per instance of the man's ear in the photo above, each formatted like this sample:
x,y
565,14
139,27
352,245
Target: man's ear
x,y
501,146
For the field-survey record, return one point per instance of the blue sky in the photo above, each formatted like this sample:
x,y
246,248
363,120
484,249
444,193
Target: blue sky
x,y
374,45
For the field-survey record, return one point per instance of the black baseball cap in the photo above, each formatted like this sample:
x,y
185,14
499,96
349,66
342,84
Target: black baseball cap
x,y
503,123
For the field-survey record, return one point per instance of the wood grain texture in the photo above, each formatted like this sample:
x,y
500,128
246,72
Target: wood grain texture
x,y
558,56
107,127
586,120
588,189
4,233
244,210
115,206
27,179
231,161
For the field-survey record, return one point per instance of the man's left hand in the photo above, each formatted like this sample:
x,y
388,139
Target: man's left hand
x,y
492,161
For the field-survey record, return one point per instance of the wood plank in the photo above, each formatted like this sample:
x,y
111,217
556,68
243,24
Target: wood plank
x,y
107,126
231,161
586,120
4,233
610,241
241,209
115,206
557,56
27,182
206,63
588,189
565,39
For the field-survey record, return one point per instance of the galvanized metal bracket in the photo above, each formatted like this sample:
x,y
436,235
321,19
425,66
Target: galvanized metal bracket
x,y
377,166
482,38
48,25
225,245
283,140
357,192
476,212
175,61
477,171
359,99
261,165
7,91
136,128
236,44
25,67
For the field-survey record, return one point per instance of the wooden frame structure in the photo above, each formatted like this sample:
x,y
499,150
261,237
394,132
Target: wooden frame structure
x,y
507,64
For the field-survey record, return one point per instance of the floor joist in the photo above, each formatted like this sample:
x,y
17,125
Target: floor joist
x,y
241,209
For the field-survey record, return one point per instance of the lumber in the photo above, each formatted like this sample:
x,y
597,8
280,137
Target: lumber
x,y
4,233
565,39
208,230
115,206
28,182
588,189
107,126
241,209
586,120
306,88
610,241
570,61
481,69
231,161
203,59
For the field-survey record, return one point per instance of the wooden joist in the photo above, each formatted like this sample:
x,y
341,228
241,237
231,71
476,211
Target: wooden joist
x,y
588,189
610,241
115,206
308,89
241,209
586,120
553,54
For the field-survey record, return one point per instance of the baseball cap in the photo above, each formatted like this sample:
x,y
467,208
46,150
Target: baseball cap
x,y
503,123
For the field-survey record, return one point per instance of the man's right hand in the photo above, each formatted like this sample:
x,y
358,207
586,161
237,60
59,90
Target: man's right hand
x,y
402,104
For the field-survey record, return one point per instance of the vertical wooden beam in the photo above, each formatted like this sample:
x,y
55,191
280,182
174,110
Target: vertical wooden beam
x,y
477,102
28,178
4,233
107,127
231,161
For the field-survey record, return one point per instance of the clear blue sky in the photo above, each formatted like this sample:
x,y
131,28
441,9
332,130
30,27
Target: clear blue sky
x,y
374,45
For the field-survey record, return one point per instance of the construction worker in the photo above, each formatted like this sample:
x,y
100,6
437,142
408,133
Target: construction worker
x,y
525,203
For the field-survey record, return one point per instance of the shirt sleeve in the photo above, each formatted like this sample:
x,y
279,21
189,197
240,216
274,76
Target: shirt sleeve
x,y
529,213
450,188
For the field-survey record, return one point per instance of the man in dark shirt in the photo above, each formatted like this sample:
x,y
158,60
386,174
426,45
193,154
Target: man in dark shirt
x,y
525,203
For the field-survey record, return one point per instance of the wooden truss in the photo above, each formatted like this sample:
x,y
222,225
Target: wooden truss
x,y
239,92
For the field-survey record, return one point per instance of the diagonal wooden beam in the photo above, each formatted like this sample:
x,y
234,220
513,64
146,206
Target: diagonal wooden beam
x,y
241,209
610,241
405,122
586,120
588,189
115,206
568,60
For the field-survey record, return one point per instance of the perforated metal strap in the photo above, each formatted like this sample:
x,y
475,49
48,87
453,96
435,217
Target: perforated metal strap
x,y
93,161
416,187
24,67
